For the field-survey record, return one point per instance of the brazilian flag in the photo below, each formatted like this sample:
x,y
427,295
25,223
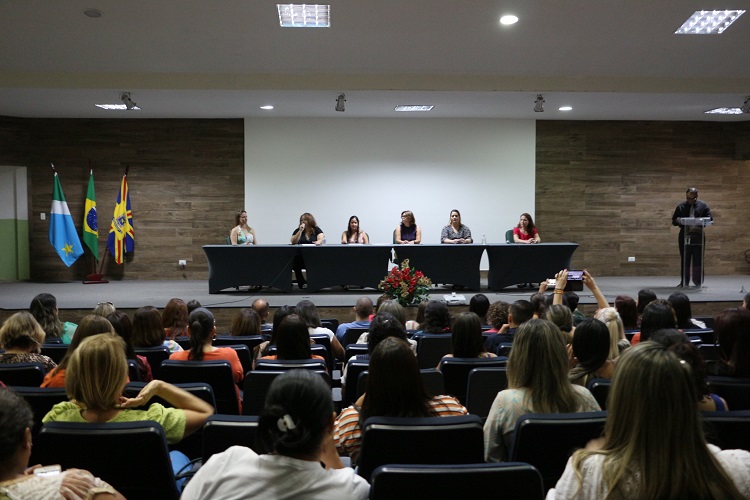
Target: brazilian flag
x,y
90,224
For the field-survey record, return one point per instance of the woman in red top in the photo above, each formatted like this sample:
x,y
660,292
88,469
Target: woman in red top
x,y
526,231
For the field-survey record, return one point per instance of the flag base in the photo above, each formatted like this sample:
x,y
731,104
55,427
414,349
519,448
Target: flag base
x,y
94,279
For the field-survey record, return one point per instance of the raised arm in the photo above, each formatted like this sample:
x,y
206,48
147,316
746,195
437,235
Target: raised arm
x,y
561,279
588,280
297,234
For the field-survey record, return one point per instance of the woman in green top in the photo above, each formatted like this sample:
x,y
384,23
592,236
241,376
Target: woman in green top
x,y
44,309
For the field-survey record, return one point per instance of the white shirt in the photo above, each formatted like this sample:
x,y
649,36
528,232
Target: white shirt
x,y
240,473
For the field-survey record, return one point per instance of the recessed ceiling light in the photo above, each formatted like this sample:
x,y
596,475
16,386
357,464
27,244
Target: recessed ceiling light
x,y
709,22
112,106
266,107
508,19
93,13
293,15
724,111
413,107
565,108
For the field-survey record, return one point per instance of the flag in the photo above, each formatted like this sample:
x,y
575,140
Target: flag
x,y
121,235
62,232
90,222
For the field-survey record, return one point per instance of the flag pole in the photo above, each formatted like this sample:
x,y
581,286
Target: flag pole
x,y
95,278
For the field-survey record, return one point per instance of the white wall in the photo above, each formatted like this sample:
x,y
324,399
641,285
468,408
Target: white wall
x,y
376,168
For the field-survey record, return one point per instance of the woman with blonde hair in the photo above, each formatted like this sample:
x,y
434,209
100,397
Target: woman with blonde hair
x,y
617,341
408,232
22,338
537,383
640,456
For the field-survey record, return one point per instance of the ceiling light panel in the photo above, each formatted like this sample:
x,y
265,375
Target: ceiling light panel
x,y
413,107
709,22
293,15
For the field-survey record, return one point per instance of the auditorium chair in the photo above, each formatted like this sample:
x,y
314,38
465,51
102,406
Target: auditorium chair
x,y
729,430
154,355
353,334
218,374
23,374
223,431
55,352
290,364
432,347
482,388
350,392
736,391
456,373
599,388
710,352
315,349
431,379
41,400
256,385
251,341
354,350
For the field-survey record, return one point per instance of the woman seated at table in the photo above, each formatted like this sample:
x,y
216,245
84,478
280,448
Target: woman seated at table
x,y
455,232
353,233
408,232
526,231
292,341
241,233
22,337
308,233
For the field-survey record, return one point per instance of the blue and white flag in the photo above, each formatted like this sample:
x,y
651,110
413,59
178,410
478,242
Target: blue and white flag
x,y
62,231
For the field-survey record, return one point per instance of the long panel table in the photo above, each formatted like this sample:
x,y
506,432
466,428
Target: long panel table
x,y
232,266
446,264
332,265
513,263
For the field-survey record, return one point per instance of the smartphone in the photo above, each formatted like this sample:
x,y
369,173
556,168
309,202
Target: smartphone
x,y
551,282
575,275
49,470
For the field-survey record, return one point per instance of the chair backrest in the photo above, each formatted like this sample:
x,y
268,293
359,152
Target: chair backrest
x,y
431,379
223,431
326,352
710,352
131,456
707,320
54,351
353,334
482,388
736,391
229,240
256,387
41,400
330,323
599,388
218,374
245,355
251,341
24,374
706,334
184,342
354,349
510,480
154,355
353,369
431,349
431,440
315,350
729,430
134,372
546,441
504,349
290,364
509,236
456,373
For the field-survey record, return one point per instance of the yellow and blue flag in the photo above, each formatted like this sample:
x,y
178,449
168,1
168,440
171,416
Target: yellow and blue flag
x,y
90,221
62,232
121,235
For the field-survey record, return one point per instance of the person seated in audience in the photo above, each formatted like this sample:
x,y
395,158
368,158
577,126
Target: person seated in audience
x,y
174,319
362,311
681,305
466,338
611,318
16,481
260,306
746,301
308,233
538,303
124,328
192,305
628,311
353,234
455,232
202,330
241,233
292,341
561,316
572,298
561,280
394,389
479,304
307,311
414,324
645,297
245,322
497,316
639,454
104,309
519,313
658,314
437,319
732,330
44,309
263,348
526,231
537,383
90,326
408,232
299,458
590,353
22,337
397,310
148,330
677,342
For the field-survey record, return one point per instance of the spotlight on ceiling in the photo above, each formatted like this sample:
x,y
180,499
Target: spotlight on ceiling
x,y
746,107
539,104
127,101
340,103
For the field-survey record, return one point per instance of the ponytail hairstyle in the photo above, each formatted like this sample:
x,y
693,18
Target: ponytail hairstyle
x,y
44,309
297,415
201,325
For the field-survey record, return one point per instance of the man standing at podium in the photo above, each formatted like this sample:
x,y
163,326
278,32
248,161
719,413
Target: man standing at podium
x,y
691,256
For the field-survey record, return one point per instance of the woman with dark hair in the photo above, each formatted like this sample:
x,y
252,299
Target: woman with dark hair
x,y
292,340
589,353
394,389
353,233
526,231
645,297
414,324
681,305
124,328
22,338
537,383
539,304
638,456
241,233
44,309
262,349
466,338
246,322
628,311
658,314
148,330
408,232
175,319
455,232
308,233
732,329
480,305
308,313
437,319
300,459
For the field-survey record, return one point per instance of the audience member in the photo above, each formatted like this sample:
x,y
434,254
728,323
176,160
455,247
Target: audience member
x,y
44,309
260,306
746,301
362,311
104,309
292,340
537,383
262,349
658,314
408,232
497,316
455,232
148,330
732,330
480,305
573,300
645,297
466,338
308,313
16,481
590,353
628,311
419,319
538,303
353,234
561,316
394,389
124,328
245,322
22,337
519,313
639,453
192,305
437,319
300,459
175,319
525,231
681,305
617,341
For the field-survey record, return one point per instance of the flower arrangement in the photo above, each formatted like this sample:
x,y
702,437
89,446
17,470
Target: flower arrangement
x,y
406,285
